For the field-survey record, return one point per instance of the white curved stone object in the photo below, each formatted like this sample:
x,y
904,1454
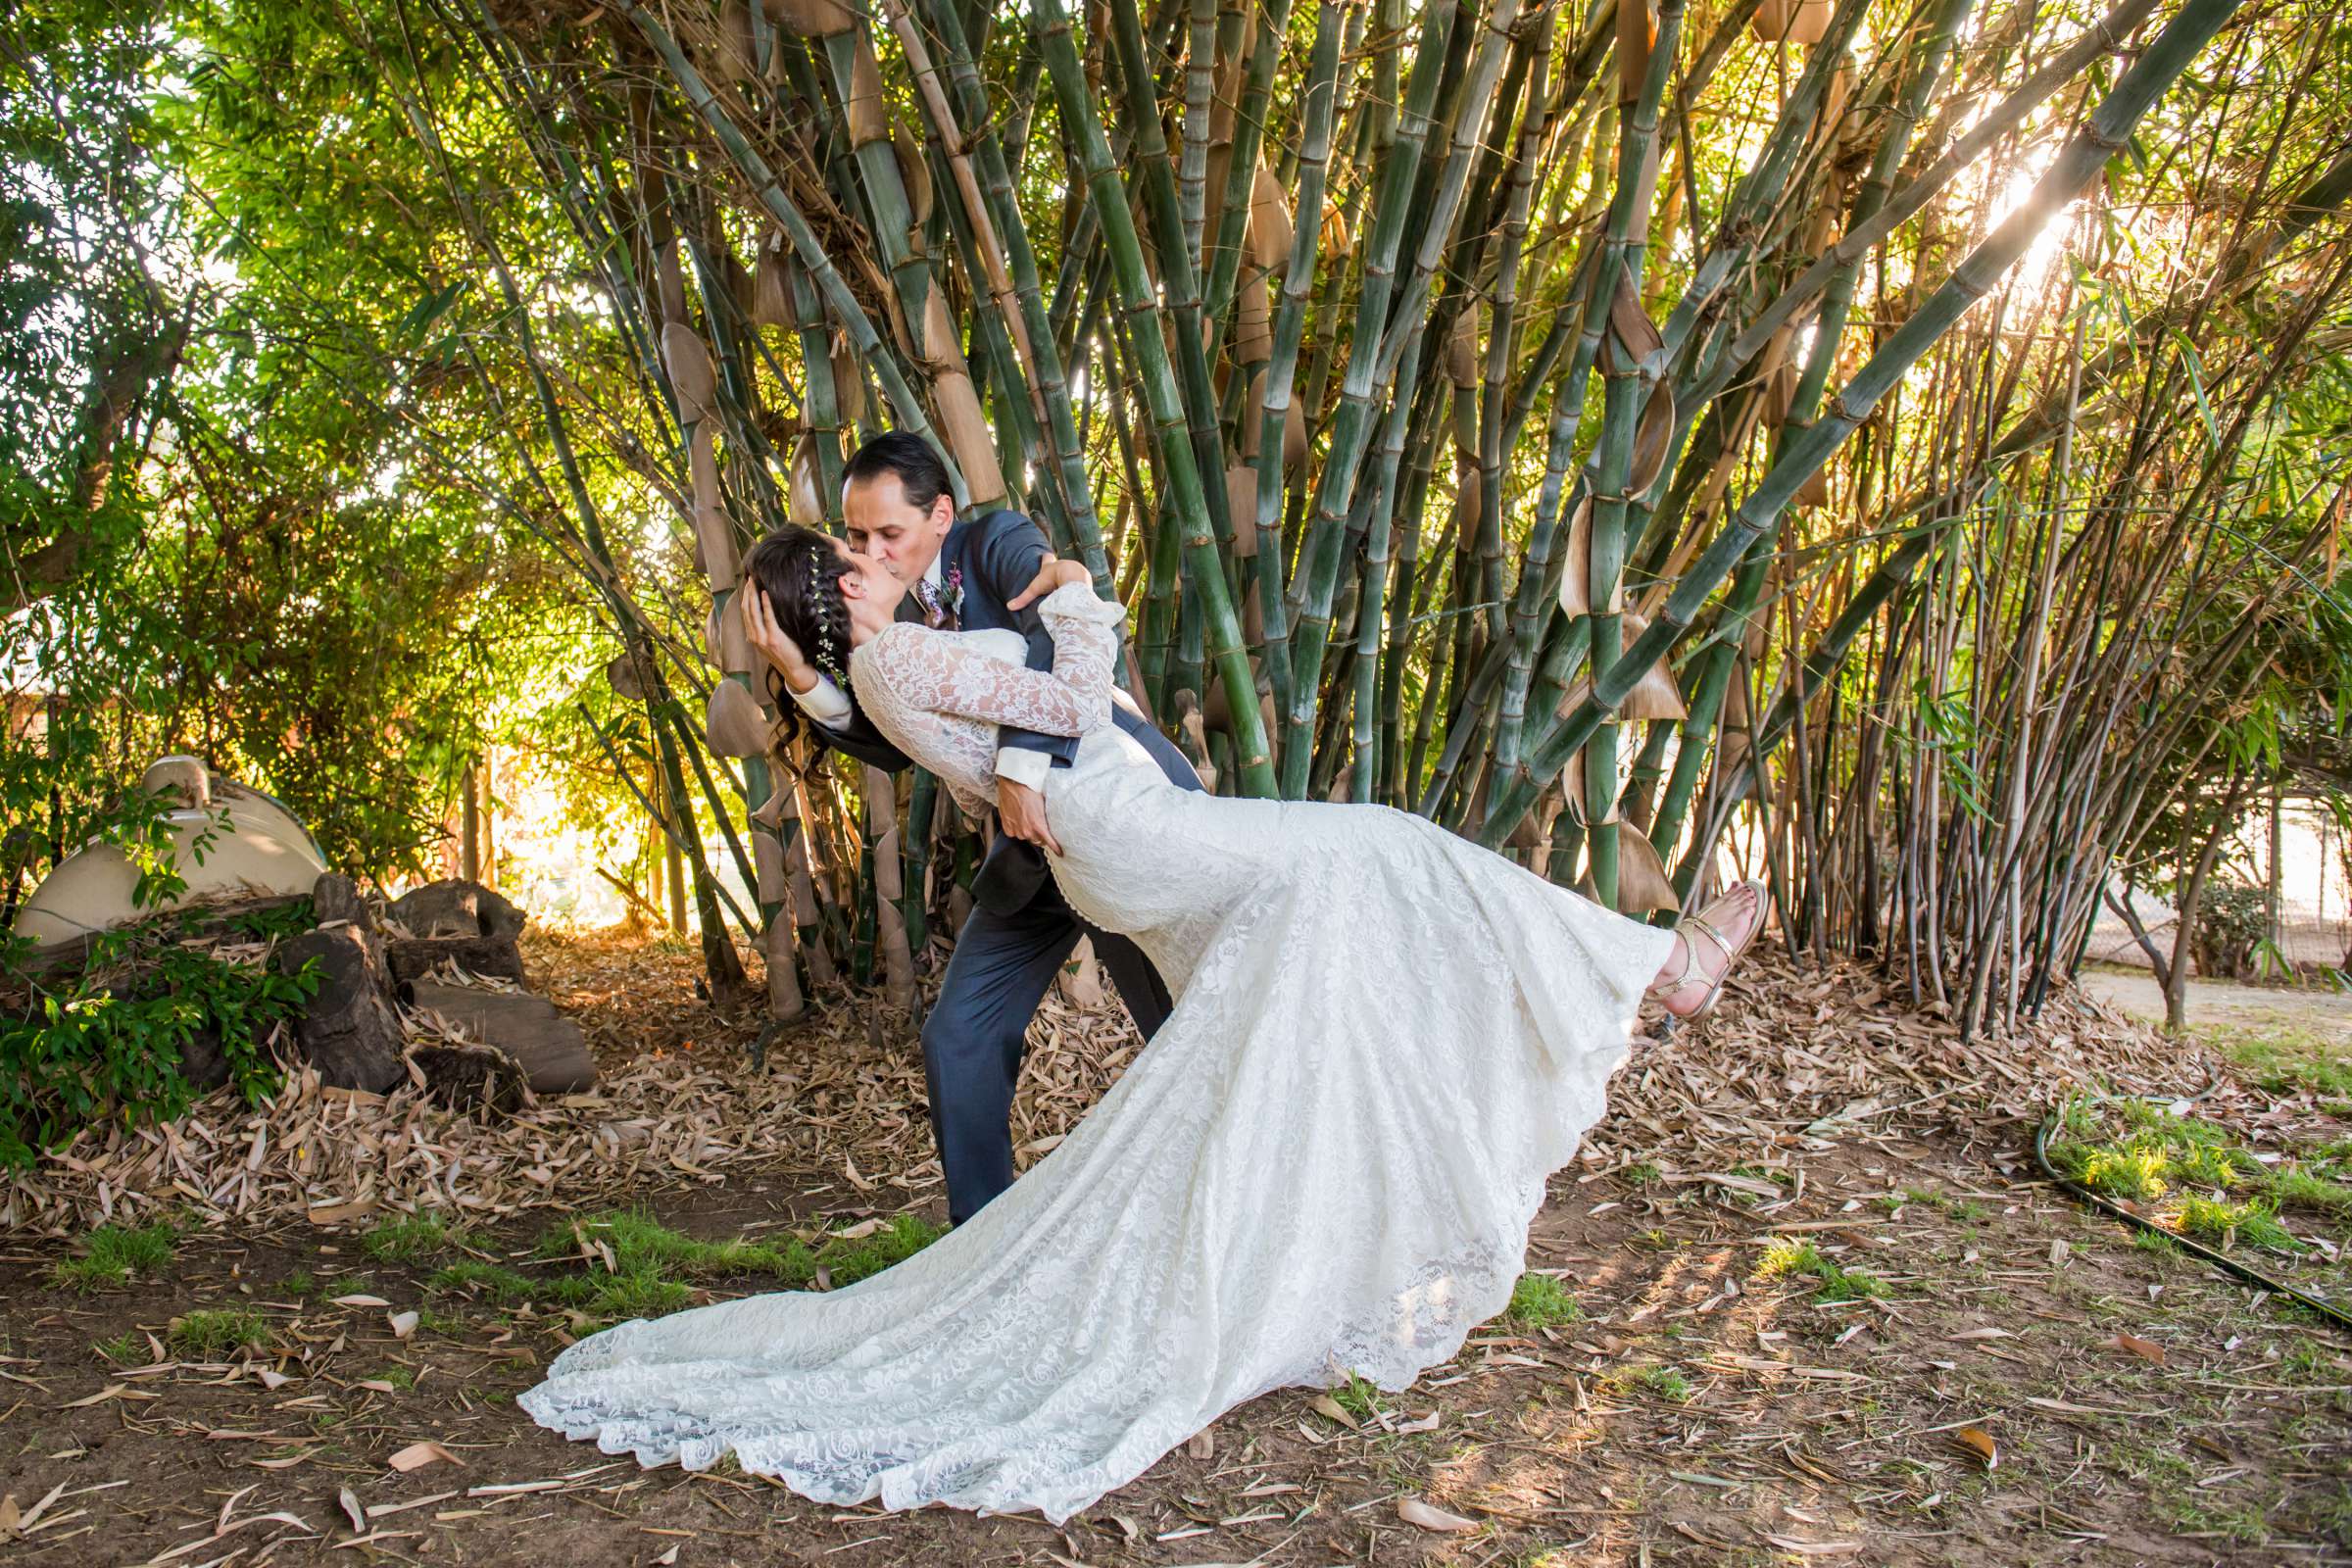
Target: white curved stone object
x,y
263,852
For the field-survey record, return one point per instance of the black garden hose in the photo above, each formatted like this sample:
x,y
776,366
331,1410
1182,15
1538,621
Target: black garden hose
x,y
2334,1315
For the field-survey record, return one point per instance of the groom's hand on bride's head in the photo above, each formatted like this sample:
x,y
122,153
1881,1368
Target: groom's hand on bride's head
x,y
1021,812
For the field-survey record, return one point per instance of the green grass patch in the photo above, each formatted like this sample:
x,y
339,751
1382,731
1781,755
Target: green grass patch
x,y
1785,1259
2141,1153
124,1349
652,1270
1642,1173
2225,1224
904,1235
504,1286
1540,1301
1359,1397
2299,1186
415,1237
642,1245
2287,1061
211,1333
115,1254
1666,1383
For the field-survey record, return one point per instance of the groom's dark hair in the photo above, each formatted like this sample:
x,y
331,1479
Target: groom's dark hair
x,y
921,474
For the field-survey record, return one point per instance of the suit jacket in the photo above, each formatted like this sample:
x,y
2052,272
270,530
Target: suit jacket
x,y
986,559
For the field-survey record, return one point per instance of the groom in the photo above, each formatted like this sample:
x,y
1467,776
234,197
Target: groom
x,y
971,574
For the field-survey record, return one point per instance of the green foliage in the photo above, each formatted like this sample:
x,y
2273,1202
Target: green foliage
x,y
109,1044
2231,919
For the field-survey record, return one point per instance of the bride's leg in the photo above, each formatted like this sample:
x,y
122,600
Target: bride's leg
x,y
1691,972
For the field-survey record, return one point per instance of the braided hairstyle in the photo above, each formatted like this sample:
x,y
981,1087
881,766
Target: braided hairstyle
x,y
799,571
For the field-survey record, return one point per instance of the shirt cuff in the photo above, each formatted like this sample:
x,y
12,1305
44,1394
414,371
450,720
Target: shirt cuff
x,y
823,703
1024,766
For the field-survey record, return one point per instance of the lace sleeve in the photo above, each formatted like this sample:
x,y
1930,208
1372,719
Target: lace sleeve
x,y
935,672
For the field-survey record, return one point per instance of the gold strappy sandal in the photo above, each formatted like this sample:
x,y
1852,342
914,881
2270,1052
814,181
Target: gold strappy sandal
x,y
1699,922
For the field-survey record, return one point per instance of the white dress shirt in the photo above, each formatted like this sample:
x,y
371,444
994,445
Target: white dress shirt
x,y
827,706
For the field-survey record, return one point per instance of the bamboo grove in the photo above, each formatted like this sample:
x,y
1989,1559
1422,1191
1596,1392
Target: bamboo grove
x,y
1888,437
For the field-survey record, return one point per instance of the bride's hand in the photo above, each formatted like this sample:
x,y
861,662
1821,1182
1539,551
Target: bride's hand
x,y
1052,572
760,625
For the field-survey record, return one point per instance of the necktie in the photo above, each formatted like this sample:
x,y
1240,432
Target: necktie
x,y
934,613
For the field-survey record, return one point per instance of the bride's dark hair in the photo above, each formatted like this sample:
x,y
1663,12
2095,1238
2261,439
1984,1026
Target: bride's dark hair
x,y
799,571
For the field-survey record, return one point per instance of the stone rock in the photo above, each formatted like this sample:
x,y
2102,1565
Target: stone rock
x,y
414,958
350,1032
335,896
455,908
202,1062
470,1077
550,1048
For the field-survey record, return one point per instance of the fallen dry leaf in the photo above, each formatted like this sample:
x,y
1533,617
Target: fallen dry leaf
x,y
1413,1511
351,1509
417,1455
1816,1548
358,1300
2145,1350
404,1324
113,1391
1324,1405
1978,1442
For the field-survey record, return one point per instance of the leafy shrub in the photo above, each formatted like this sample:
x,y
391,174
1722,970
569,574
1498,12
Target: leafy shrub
x,y
2230,919
109,1043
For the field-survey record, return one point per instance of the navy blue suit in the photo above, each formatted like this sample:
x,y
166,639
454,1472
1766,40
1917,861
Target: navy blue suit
x,y
1020,930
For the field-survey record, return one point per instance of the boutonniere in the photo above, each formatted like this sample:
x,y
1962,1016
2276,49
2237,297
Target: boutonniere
x,y
954,596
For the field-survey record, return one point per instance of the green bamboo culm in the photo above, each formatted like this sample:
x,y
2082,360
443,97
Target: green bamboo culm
x,y
2077,164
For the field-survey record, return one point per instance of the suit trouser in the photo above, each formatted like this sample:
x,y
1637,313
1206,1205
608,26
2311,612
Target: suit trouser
x,y
976,1035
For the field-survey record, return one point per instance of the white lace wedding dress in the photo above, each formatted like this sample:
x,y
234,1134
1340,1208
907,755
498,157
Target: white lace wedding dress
x,y
1326,1161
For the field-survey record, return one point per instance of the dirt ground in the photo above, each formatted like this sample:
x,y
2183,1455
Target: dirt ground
x,y
2026,1385
2218,1002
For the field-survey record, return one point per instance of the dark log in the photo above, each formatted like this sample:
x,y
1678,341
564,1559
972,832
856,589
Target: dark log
x,y
455,908
470,1077
335,896
415,958
350,1031
550,1048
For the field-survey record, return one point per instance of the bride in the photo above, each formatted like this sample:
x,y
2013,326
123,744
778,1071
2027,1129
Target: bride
x,y
1384,1040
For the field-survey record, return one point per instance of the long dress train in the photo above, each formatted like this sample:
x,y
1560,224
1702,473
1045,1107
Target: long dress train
x,y
1326,1162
